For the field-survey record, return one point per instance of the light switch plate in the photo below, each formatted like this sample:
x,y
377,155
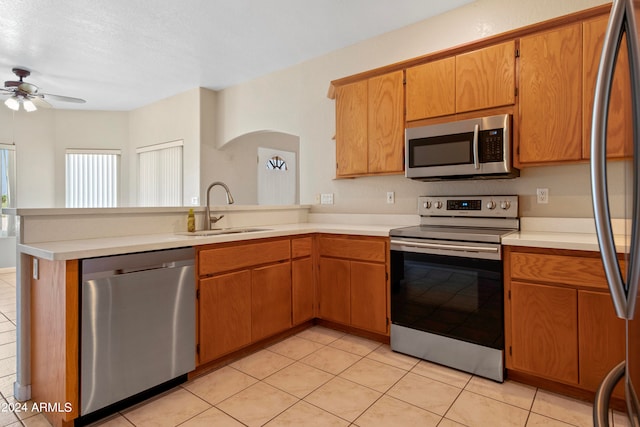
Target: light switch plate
x,y
391,197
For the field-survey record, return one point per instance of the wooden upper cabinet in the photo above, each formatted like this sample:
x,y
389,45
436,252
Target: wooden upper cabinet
x,y
485,78
431,89
351,129
619,125
370,126
551,95
386,123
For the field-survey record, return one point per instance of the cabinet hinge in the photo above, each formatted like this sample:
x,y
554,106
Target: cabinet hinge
x,y
386,276
197,348
516,90
509,294
510,351
387,322
517,53
197,293
336,165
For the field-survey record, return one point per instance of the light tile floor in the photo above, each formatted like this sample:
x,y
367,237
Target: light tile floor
x,y
321,377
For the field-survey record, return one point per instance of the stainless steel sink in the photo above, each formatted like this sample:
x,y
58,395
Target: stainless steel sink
x,y
220,231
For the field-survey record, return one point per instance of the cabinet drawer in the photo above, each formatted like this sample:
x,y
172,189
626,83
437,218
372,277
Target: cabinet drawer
x,y
301,247
216,260
359,249
570,270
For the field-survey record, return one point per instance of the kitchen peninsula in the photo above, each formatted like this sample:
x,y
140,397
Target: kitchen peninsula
x,y
60,238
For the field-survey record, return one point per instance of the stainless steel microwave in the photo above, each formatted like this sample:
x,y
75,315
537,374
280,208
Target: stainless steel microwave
x,y
466,149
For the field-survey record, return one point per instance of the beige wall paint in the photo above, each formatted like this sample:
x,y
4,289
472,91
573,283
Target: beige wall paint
x,y
294,101
41,138
170,119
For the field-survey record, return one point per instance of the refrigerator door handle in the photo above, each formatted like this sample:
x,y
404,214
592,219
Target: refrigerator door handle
x,y
631,27
603,395
599,189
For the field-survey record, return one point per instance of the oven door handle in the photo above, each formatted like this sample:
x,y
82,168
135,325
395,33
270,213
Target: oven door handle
x,y
476,159
462,248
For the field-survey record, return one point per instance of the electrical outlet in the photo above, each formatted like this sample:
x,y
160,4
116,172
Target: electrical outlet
x,y
195,201
317,198
391,197
542,195
326,198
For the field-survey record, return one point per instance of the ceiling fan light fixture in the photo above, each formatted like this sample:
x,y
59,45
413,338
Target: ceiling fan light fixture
x,y
12,103
29,106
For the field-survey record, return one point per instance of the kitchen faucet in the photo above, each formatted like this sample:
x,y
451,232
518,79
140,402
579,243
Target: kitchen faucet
x,y
209,220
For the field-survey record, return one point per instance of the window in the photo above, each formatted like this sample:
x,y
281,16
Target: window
x,y
7,188
160,174
92,178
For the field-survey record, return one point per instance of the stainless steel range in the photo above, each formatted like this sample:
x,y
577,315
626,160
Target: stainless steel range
x,y
447,292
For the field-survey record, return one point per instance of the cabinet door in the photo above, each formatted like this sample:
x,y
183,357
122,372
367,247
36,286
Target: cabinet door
x,y
551,96
225,314
619,126
601,337
302,290
431,89
270,300
544,331
386,123
333,290
369,296
351,129
485,78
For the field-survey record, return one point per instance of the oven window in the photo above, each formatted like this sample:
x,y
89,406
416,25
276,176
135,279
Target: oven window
x,y
441,150
461,298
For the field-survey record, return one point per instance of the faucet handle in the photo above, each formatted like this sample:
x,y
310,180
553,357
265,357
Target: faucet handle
x,y
215,219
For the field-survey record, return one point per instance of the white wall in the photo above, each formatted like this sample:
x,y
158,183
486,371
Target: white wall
x,y
235,165
41,138
170,119
294,101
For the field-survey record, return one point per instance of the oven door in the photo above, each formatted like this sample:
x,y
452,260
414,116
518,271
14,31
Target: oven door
x,y
456,293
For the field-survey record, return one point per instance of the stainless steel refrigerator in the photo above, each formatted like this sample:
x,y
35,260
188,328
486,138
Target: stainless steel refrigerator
x,y
623,283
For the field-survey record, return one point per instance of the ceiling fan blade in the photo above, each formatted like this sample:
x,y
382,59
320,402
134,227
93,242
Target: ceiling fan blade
x,y
40,103
7,92
61,98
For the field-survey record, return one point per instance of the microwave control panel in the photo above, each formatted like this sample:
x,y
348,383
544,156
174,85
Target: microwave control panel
x,y
491,144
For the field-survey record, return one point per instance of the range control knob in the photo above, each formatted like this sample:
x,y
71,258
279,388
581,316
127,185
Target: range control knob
x,y
427,204
438,205
491,205
505,205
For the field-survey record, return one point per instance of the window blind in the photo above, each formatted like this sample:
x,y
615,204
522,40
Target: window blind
x,y
160,174
92,178
7,188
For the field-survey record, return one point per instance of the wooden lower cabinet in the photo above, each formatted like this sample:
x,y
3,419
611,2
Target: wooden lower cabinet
x,y
302,290
225,314
334,290
353,282
368,296
600,334
560,323
544,331
270,300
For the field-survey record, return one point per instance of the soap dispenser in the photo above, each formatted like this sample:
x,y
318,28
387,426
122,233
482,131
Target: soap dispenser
x,y
191,221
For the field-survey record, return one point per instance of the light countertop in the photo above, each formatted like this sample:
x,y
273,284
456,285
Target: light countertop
x,y
89,248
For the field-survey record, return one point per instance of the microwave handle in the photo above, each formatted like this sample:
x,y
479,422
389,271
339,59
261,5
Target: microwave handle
x,y
476,161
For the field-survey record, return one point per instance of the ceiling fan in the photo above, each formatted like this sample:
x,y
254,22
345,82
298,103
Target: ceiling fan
x,y
28,94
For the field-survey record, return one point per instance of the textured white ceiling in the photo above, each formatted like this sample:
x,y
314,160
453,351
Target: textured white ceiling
x,y
123,54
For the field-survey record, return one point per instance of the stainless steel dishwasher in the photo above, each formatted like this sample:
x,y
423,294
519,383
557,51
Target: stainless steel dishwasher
x,y
138,324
